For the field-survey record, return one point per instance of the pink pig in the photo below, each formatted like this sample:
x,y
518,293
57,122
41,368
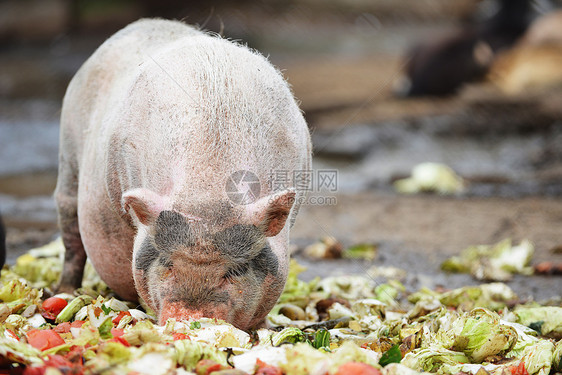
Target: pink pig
x,y
157,126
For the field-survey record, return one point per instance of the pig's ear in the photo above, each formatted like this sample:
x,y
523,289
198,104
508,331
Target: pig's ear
x,y
143,204
270,213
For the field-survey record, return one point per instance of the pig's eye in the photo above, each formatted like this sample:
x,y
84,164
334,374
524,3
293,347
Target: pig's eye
x,y
237,271
167,274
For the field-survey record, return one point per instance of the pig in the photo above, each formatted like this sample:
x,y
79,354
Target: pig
x,y
154,127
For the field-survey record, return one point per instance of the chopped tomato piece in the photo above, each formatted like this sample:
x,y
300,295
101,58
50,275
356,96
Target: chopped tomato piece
x,y
207,366
56,361
48,316
77,323
266,369
44,339
75,354
180,336
519,370
117,332
118,318
11,334
62,328
54,305
120,340
357,368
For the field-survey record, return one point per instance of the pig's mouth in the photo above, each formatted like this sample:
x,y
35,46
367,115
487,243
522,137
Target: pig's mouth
x,y
180,312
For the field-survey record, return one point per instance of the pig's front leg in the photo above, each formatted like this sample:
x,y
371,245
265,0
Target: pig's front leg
x,y
67,206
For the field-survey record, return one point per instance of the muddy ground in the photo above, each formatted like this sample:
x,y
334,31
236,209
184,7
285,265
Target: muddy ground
x,y
342,69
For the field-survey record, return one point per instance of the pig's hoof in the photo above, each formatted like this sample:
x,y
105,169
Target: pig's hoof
x,y
262,324
64,288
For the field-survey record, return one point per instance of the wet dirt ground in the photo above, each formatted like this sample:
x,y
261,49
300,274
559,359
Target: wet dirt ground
x,y
418,233
509,149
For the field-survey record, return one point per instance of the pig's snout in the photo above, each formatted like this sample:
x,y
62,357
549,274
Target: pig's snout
x,y
180,312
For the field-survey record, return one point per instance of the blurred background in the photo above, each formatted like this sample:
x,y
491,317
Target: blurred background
x,y
384,85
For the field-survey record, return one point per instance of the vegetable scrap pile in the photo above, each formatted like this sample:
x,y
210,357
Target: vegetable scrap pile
x,y
335,325
493,263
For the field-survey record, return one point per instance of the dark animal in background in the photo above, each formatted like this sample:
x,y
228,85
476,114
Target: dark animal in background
x,y
2,244
534,62
442,66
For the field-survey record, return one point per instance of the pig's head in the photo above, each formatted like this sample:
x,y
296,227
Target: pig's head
x,y
209,260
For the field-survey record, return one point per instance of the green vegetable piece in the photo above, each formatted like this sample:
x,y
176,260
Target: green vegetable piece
x,y
388,292
19,296
19,352
302,359
289,335
188,353
483,335
547,320
539,358
557,357
537,326
433,358
72,308
106,310
105,329
296,291
321,339
361,251
392,355
114,353
431,177
195,325
204,365
493,262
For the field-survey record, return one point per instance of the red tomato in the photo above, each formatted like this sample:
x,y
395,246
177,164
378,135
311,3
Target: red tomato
x,y
54,305
357,368
62,328
207,366
120,340
117,332
75,354
44,339
180,336
118,318
48,316
77,323
11,334
34,370
56,361
265,369
519,370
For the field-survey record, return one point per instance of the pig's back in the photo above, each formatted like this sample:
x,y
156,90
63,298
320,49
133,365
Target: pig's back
x,y
195,111
90,92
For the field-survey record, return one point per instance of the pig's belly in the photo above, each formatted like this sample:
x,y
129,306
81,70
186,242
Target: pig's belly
x,y
108,241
